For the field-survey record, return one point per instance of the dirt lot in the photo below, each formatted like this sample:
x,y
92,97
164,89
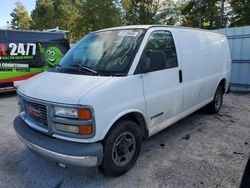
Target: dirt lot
x,y
202,150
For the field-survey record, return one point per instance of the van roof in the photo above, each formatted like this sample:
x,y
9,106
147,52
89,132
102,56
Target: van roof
x,y
30,35
150,26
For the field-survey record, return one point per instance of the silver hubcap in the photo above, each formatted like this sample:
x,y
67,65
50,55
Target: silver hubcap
x,y
124,148
217,101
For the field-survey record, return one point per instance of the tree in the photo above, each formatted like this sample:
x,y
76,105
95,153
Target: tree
x,y
202,13
142,12
43,15
56,13
150,11
66,16
169,12
20,17
99,14
240,12
77,16
222,10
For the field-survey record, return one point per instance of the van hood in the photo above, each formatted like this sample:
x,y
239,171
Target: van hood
x,y
60,87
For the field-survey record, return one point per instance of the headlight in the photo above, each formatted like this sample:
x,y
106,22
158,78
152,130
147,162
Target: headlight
x,y
67,128
76,113
82,129
65,112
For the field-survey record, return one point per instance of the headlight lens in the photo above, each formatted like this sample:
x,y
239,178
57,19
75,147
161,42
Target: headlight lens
x,y
82,129
76,113
67,128
66,112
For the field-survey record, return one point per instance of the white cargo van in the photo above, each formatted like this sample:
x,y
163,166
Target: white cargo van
x,y
118,86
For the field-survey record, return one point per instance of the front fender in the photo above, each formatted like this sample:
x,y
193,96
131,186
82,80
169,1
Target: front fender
x,y
120,115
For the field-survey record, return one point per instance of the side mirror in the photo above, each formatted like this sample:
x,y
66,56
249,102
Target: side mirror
x,y
245,182
157,61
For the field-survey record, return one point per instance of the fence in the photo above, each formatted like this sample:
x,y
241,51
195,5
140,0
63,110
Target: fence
x,y
239,41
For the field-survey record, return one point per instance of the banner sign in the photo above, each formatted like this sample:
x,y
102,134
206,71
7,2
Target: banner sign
x,y
19,59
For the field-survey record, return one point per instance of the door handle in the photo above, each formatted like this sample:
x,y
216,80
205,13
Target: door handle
x,y
180,76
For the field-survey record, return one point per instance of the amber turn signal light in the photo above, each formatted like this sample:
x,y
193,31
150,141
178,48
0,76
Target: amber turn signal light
x,y
85,129
84,114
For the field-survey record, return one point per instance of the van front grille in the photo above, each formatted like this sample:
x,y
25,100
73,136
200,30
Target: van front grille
x,y
36,112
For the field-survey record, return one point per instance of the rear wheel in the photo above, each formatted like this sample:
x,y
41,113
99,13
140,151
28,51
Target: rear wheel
x,y
216,104
121,148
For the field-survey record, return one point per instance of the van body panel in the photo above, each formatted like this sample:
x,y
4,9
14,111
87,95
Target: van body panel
x,y
161,86
113,99
54,87
178,117
205,61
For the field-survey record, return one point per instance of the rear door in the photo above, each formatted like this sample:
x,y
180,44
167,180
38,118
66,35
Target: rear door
x,y
162,88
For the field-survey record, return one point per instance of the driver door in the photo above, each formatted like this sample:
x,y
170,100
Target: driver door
x,y
163,90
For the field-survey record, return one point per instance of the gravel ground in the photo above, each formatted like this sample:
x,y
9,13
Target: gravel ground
x,y
202,150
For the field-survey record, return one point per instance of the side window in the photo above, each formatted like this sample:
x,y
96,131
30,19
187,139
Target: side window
x,y
159,52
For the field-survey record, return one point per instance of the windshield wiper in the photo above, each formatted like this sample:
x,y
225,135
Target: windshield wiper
x,y
85,68
118,74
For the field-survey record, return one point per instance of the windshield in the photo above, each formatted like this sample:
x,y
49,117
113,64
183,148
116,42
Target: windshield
x,y
107,52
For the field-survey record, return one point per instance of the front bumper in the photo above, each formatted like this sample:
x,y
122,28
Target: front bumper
x,y
57,150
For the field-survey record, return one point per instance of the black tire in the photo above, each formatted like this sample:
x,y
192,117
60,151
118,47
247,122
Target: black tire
x,y
215,105
121,149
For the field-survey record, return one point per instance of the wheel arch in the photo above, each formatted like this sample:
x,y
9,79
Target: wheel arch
x,y
138,116
222,83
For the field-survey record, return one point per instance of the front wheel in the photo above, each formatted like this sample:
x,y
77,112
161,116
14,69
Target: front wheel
x,y
121,148
216,104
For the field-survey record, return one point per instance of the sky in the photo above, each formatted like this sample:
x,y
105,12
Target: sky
x,y
7,7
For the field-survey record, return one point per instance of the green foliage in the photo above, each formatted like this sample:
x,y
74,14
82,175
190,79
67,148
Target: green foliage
x,y
43,15
83,16
20,17
241,12
169,13
150,12
201,13
56,13
141,12
66,16
207,14
79,17
98,14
